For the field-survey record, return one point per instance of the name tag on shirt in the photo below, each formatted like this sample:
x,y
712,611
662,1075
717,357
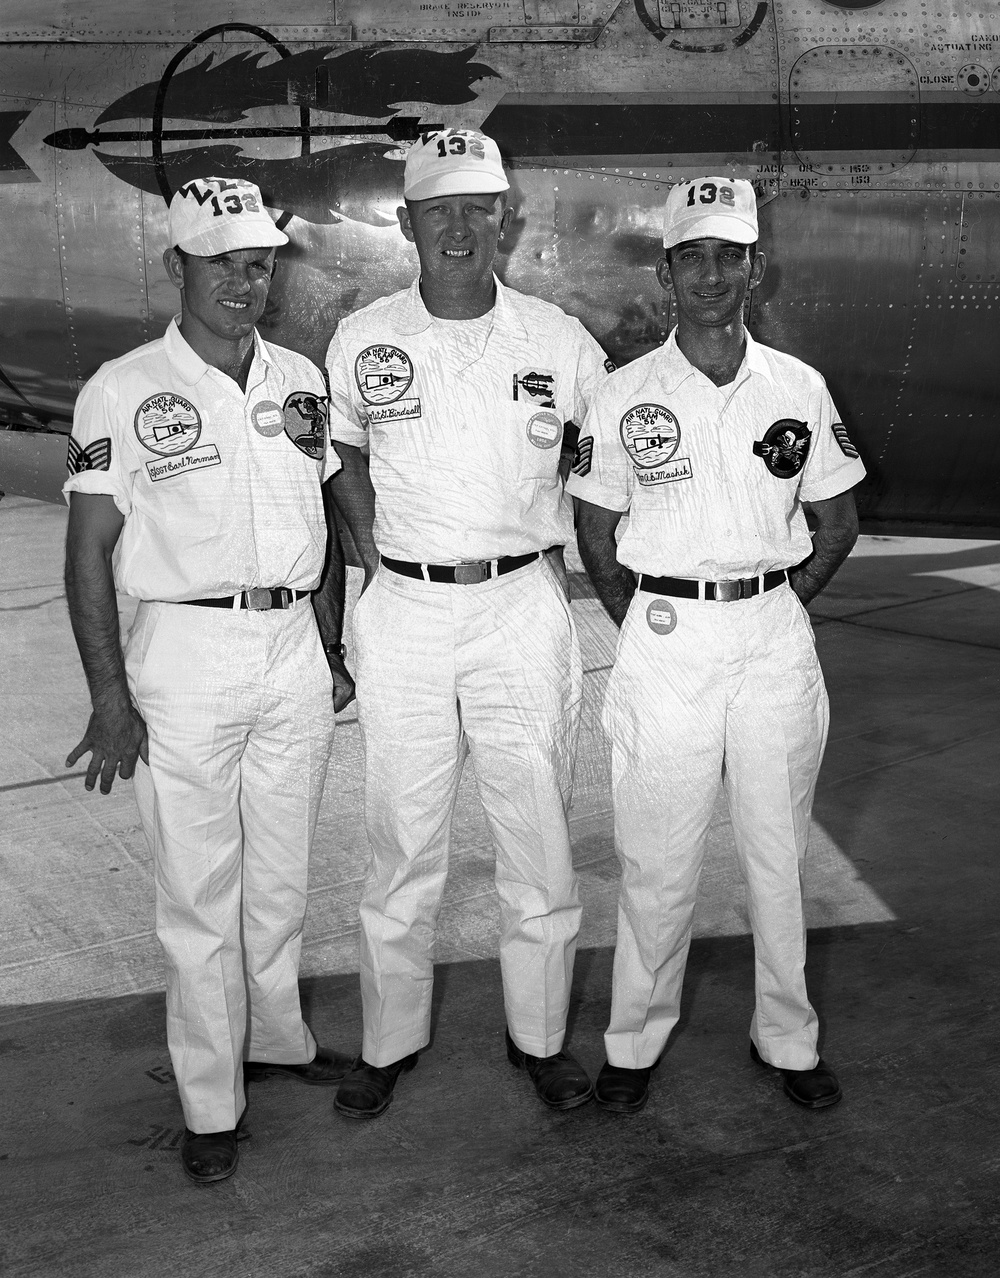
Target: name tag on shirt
x,y
194,459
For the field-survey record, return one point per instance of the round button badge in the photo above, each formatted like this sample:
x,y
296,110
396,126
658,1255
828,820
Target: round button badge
x,y
268,419
545,430
661,616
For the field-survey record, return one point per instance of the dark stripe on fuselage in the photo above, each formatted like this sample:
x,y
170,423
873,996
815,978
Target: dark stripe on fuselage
x,y
679,128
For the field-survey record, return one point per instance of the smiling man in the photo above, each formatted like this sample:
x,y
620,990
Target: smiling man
x,y
465,393
716,446
195,470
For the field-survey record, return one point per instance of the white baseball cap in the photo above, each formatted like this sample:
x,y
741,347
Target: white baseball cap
x,y
715,208
214,215
453,162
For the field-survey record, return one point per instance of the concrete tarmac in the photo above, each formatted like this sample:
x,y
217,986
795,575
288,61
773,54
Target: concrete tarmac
x,y
467,1174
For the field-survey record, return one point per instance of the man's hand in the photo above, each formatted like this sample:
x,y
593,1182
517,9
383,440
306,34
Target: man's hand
x,y
115,738
343,684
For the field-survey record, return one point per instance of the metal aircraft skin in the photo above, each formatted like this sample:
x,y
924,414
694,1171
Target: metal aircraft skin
x,y
872,132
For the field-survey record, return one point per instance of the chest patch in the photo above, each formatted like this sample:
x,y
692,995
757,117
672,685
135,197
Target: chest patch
x,y
305,423
383,374
167,424
536,386
96,456
650,434
784,447
545,430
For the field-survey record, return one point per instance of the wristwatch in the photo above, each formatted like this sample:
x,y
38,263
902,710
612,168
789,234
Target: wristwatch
x,y
335,650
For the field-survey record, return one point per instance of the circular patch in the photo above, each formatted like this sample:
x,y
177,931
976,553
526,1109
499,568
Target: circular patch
x,y
268,419
661,616
167,424
545,430
651,435
305,423
784,447
383,374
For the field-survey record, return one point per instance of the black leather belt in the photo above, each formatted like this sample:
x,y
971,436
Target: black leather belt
x,y
467,574
257,599
719,591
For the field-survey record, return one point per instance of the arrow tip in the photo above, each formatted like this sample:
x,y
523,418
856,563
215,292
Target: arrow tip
x,y
69,139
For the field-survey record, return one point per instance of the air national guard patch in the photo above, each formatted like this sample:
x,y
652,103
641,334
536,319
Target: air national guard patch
x,y
784,447
96,456
651,435
537,386
383,374
842,438
305,423
167,424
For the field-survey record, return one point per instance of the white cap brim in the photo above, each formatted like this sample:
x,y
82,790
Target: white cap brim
x,y
234,234
457,182
727,226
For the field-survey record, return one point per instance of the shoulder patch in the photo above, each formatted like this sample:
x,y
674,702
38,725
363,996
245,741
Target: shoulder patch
x,y
583,456
305,423
843,439
96,456
784,447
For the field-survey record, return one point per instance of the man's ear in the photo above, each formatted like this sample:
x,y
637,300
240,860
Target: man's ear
x,y
757,270
174,267
663,275
403,213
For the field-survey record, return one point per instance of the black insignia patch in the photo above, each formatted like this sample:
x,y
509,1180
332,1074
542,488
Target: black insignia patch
x,y
842,438
537,386
583,456
784,447
96,456
610,365
305,423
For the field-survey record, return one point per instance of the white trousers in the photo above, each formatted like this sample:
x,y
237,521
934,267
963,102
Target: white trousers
x,y
733,690
444,670
239,712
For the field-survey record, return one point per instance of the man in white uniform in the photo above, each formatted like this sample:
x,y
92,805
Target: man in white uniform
x,y
715,446
464,391
195,470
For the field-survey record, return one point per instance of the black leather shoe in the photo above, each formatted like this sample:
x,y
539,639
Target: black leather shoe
x,y
367,1090
560,1081
209,1156
325,1067
813,1088
623,1090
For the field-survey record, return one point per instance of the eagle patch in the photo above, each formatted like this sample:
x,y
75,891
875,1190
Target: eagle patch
x,y
784,447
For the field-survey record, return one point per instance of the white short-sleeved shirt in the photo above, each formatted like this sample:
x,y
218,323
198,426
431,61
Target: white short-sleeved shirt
x,y
220,489
713,477
464,420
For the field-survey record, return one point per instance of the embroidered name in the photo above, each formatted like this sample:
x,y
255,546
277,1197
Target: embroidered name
x,y
394,412
195,459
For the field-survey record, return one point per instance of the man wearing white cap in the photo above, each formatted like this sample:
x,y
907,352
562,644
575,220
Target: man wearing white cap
x,y
465,392
195,470
716,446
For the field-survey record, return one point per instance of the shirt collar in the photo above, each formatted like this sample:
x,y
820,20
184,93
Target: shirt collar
x,y
417,318
677,367
190,366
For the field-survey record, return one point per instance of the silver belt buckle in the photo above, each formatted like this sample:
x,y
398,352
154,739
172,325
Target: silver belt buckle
x,y
728,591
472,574
257,599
